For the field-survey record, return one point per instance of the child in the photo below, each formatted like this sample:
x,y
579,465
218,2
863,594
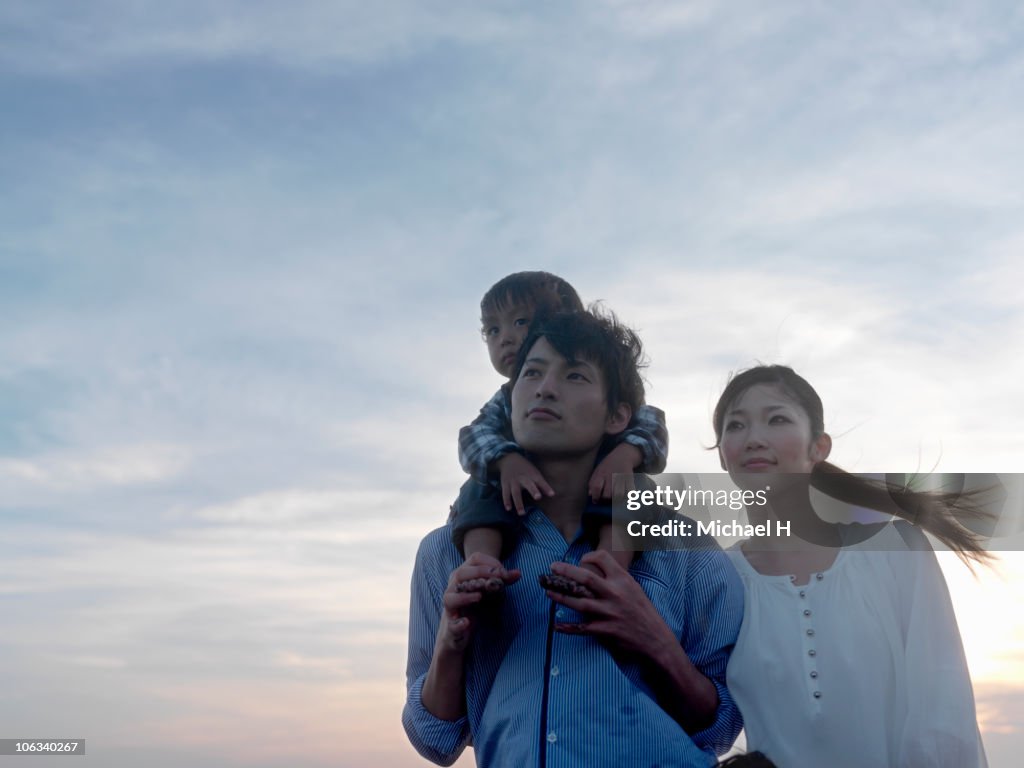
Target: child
x,y
483,520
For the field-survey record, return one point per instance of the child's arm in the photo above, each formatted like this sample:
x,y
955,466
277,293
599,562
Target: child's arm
x,y
643,447
487,439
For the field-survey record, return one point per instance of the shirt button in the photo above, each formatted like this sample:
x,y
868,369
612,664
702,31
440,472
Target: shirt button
x,y
810,633
817,695
812,652
807,612
554,671
552,737
820,576
559,613
814,675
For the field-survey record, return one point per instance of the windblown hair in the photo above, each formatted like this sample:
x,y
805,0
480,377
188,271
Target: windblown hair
x,y
595,335
944,514
542,292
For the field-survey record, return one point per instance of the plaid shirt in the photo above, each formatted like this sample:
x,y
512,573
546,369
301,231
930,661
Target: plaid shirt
x,y
489,437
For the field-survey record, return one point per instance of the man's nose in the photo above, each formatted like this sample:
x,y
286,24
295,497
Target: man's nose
x,y
547,387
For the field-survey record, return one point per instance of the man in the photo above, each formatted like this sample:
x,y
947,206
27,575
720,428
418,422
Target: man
x,y
630,674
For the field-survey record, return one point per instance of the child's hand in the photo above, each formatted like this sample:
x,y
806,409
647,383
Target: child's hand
x,y
623,459
517,475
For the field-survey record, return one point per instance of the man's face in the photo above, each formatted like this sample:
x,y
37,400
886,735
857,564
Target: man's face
x,y
560,408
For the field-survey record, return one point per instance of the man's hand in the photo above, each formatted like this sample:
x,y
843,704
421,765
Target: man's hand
x,y
443,693
623,459
619,610
467,586
517,475
620,614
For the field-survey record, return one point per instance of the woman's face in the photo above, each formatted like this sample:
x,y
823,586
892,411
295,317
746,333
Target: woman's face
x,y
766,431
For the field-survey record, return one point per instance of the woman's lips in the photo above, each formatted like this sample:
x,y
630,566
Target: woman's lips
x,y
758,463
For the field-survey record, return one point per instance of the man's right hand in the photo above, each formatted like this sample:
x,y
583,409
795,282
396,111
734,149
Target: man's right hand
x,y
518,475
457,620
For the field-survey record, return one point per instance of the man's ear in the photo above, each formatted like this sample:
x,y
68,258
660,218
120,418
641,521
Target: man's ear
x,y
618,419
821,448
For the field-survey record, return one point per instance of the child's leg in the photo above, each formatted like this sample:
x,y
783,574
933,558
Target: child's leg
x,y
614,540
482,525
485,541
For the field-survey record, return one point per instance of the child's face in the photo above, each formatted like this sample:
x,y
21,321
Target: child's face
x,y
504,331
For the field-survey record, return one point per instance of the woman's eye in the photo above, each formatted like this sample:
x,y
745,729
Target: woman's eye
x,y
732,426
778,419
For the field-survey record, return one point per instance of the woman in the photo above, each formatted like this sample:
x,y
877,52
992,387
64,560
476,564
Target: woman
x,y
849,653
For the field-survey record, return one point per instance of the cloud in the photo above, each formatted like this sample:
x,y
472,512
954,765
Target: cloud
x,y
112,466
56,39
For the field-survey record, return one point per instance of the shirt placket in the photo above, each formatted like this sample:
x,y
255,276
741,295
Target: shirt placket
x,y
807,621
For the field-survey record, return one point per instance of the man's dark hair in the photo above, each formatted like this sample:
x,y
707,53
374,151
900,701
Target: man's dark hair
x,y
595,335
542,292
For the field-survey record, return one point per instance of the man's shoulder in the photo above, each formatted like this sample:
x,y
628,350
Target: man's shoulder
x,y
438,538
694,555
437,547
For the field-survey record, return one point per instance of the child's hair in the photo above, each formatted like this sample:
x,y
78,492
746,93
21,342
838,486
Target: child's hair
x,y
543,292
595,335
941,513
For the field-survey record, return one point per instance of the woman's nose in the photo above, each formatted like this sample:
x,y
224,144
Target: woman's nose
x,y
754,438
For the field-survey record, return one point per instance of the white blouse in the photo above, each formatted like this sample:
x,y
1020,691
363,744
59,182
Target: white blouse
x,y
861,666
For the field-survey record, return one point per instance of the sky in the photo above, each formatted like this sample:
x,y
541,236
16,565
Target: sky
x,y
242,248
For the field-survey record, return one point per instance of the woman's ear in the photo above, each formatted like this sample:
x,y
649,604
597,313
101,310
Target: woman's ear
x,y
821,448
618,419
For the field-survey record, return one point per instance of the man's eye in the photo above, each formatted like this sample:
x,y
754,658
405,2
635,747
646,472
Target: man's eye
x,y
528,372
575,376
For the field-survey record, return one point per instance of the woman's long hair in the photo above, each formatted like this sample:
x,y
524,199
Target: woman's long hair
x,y
944,514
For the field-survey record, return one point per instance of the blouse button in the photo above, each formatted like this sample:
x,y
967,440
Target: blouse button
x,y
812,652
814,674
817,694
810,633
803,593
807,611
820,576
792,577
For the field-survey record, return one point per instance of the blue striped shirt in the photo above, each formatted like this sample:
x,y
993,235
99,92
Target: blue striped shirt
x,y
535,697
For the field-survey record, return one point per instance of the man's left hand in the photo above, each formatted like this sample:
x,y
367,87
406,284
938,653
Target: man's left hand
x,y
618,612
